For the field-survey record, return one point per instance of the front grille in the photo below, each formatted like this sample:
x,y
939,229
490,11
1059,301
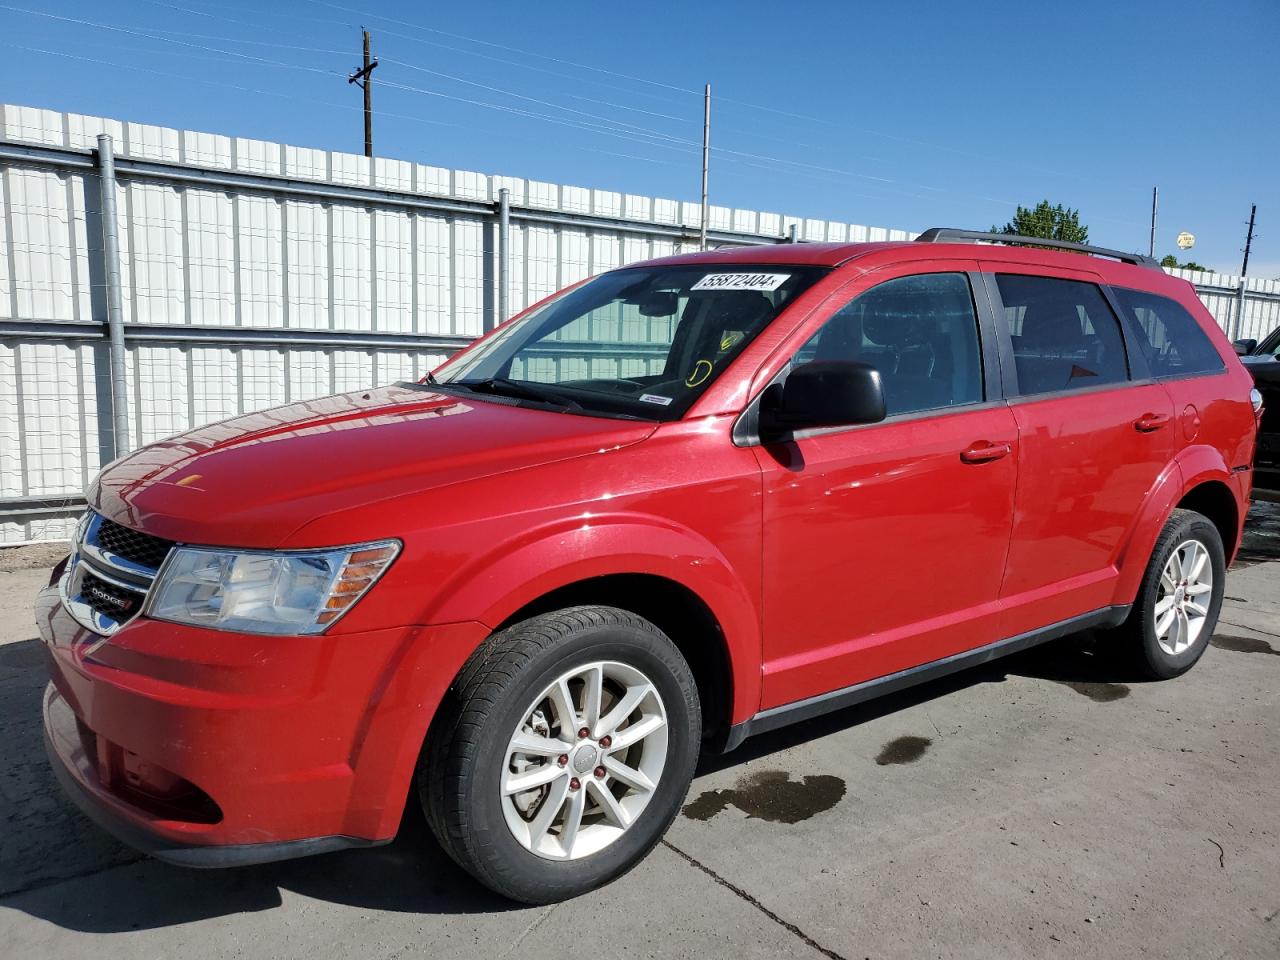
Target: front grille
x,y
109,600
140,548
110,574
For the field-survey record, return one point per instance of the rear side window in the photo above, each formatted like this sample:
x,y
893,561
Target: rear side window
x,y
920,332
1065,336
1170,337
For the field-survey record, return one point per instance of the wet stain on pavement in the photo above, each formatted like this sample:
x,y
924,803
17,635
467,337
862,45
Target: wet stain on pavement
x,y
771,795
1098,692
1227,641
903,750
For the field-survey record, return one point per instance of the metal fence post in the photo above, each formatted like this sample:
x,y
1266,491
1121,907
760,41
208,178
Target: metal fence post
x,y
504,252
111,271
1238,326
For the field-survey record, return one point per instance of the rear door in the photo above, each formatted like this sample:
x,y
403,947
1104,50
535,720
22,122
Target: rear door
x,y
884,544
1094,433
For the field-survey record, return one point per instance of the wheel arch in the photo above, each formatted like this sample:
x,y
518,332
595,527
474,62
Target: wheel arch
x,y
1197,479
1214,499
676,610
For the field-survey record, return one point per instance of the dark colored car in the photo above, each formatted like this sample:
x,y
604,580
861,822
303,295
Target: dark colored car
x,y
1262,360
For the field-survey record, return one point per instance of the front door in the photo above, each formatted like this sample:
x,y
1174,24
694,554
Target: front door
x,y
884,544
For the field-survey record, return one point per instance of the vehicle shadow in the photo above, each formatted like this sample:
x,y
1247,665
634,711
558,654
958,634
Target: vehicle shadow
x,y
57,866
1080,660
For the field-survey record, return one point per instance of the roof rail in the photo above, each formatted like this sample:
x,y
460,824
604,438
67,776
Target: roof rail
x,y
950,235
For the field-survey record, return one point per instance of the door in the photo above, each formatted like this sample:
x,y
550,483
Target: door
x,y
1094,434
884,544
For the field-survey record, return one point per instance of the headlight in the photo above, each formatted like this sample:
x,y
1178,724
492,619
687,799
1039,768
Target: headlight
x,y
263,592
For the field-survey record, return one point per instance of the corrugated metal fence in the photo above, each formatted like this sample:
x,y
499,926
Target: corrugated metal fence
x,y
254,274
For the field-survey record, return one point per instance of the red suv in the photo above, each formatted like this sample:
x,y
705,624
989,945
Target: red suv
x,y
680,503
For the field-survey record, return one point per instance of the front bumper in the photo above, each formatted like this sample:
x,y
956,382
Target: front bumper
x,y
210,748
77,775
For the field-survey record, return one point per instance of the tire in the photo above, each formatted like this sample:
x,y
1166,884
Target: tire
x,y
1156,654
513,682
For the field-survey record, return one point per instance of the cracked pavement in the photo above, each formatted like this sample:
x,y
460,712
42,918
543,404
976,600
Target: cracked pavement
x,y
1046,805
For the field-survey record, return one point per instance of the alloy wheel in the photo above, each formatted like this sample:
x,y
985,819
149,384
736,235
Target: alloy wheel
x,y
1183,597
584,761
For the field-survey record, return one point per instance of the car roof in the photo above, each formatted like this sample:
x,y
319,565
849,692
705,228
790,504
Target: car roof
x,y
870,255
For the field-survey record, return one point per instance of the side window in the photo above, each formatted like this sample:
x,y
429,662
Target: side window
x,y
1065,336
1169,336
920,332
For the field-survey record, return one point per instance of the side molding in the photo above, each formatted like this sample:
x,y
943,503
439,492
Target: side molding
x,y
791,713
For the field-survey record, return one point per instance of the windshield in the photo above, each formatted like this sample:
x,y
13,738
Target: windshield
x,y
643,342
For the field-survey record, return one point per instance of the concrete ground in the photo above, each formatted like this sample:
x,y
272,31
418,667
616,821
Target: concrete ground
x,y
1044,806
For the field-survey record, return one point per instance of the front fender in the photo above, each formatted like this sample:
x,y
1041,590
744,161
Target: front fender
x,y
493,587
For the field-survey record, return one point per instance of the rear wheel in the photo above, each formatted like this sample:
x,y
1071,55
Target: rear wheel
x,y
563,752
1177,606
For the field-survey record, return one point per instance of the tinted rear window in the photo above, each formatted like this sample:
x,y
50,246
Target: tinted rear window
x,y
1065,336
1169,335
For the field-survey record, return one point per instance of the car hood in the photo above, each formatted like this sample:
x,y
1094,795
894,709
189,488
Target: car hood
x,y
253,480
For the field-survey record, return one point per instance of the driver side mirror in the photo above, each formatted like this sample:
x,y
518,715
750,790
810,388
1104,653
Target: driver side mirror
x,y
827,393
1244,347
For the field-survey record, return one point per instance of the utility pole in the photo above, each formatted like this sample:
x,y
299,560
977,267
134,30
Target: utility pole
x,y
1248,240
363,78
706,157
1155,204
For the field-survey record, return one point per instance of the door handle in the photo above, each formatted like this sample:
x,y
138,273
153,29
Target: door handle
x,y
985,452
1150,422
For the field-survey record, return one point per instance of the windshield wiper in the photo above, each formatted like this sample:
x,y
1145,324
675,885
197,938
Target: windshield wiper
x,y
504,387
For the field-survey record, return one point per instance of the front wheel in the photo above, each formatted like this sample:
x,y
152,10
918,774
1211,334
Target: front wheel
x,y
1176,610
562,752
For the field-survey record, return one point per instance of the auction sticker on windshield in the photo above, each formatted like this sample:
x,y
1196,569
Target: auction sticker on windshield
x,y
741,281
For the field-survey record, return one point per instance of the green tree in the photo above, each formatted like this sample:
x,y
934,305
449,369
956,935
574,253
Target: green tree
x,y
1171,261
1049,222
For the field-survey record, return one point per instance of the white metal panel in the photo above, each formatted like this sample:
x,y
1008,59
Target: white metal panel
x,y
260,261
306,163
160,389
310,374
210,257
151,143
352,370
12,475
468,277
39,219
206,149
435,273
257,156
51,446
262,378
33,125
307,251
469,185
542,261
215,374
7,306
158,294
394,279
575,199
349,168
82,132
352,267
433,180
392,174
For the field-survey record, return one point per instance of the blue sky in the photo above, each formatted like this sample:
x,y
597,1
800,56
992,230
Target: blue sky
x,y
906,114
